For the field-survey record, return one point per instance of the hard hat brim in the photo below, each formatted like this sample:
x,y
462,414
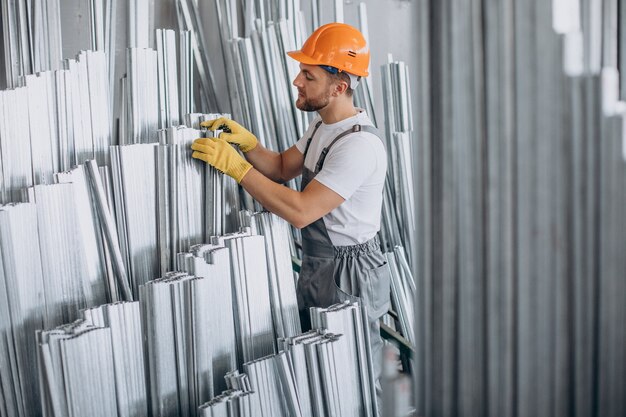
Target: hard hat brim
x,y
307,60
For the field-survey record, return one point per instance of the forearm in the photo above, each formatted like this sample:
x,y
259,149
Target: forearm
x,y
289,204
268,163
298,208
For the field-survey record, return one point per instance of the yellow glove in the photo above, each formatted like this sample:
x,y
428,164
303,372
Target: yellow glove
x,y
219,153
233,133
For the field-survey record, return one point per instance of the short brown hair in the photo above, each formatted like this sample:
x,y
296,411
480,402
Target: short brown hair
x,y
341,76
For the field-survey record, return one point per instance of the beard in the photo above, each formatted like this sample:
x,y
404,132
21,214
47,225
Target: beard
x,y
313,103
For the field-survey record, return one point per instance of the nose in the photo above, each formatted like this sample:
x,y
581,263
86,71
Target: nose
x,y
298,81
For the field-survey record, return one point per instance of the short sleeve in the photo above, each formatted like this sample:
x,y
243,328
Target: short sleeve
x,y
348,165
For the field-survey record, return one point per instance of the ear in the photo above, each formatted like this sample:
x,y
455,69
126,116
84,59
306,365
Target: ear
x,y
339,88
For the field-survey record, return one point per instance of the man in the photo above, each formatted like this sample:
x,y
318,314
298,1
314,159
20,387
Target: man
x,y
343,166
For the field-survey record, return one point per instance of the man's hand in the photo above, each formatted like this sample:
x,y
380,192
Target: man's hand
x,y
221,155
233,133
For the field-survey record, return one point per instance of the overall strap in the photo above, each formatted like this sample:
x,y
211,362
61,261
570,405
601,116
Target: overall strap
x,y
354,129
308,142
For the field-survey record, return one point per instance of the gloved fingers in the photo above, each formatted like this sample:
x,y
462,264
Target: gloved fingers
x,y
209,147
202,156
221,123
229,137
210,123
202,141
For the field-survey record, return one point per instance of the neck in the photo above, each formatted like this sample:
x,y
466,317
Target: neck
x,y
337,111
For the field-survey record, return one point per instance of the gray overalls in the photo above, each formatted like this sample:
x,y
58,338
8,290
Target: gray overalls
x,y
332,274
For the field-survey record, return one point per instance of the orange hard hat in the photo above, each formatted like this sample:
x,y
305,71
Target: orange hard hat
x,y
337,45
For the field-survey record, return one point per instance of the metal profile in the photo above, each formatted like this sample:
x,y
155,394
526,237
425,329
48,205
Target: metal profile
x,y
22,308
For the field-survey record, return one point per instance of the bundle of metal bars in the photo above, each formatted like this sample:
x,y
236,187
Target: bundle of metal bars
x,y
189,20
133,169
32,38
124,320
72,279
213,262
56,120
95,365
353,360
403,291
180,193
522,176
312,363
22,308
76,363
187,364
279,247
238,401
399,201
139,115
256,54
251,296
265,379
222,195
178,326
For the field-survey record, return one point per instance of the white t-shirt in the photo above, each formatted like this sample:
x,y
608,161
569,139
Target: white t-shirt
x,y
355,168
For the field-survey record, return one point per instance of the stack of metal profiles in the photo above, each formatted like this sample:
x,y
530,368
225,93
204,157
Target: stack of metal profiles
x,y
308,358
22,309
76,362
252,306
238,401
179,331
256,54
124,320
363,95
522,176
282,285
222,194
169,113
188,16
180,184
212,262
139,115
56,120
136,210
403,291
272,398
71,280
399,201
353,357
32,38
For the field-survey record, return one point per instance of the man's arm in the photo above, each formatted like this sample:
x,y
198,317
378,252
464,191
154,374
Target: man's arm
x,y
298,208
279,167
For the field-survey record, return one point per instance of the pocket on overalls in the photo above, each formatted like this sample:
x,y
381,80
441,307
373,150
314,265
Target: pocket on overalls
x,y
376,291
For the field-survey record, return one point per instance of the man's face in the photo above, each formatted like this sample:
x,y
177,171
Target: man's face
x,y
314,88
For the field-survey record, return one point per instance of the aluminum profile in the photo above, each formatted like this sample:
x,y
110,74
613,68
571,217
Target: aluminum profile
x,y
252,306
351,356
124,320
213,263
22,308
32,38
281,277
68,284
134,189
70,387
180,354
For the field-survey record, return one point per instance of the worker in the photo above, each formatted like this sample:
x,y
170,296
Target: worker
x,y
343,165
